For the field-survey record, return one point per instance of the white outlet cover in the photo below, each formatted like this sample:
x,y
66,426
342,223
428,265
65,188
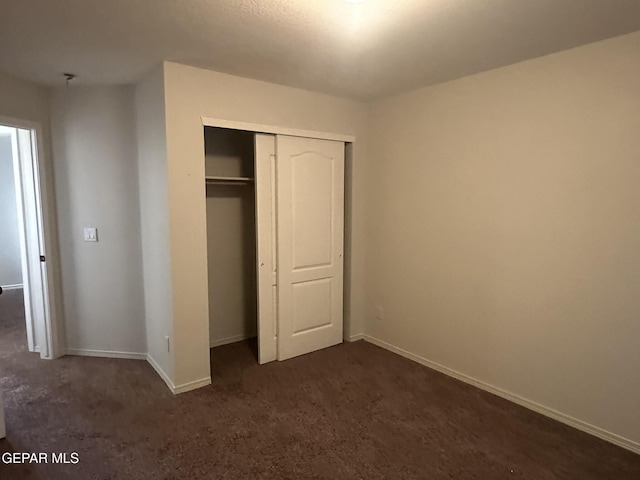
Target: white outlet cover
x,y
90,234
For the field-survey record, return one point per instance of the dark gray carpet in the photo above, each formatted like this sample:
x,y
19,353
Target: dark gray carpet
x,y
354,411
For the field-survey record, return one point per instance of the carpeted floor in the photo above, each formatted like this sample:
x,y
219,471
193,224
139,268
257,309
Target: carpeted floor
x,y
354,411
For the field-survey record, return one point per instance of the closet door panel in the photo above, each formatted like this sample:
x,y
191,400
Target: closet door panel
x,y
310,185
265,164
311,305
311,202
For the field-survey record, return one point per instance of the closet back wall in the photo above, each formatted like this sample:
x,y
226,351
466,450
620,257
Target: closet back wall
x,y
97,186
231,237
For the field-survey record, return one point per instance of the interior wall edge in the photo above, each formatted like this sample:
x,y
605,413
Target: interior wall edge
x,y
151,158
163,375
517,399
187,387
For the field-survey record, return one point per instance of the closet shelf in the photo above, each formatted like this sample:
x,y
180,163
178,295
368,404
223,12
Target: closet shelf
x,y
228,180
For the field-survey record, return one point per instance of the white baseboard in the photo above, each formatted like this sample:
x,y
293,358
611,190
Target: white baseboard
x,y
531,405
185,387
228,340
356,337
83,352
15,286
156,366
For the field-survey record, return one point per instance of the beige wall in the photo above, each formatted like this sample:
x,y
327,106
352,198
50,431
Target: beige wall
x,y
24,100
94,156
505,230
154,219
192,93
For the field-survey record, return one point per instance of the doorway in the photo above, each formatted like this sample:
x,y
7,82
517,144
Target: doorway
x,y
24,262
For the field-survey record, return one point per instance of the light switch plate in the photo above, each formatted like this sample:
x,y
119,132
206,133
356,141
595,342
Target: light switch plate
x,y
90,234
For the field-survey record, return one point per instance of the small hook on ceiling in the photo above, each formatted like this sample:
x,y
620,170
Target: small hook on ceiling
x,y
68,77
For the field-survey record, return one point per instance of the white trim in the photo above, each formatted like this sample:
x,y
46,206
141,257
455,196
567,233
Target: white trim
x,y
356,337
15,286
185,387
161,372
531,405
228,340
84,352
23,224
260,128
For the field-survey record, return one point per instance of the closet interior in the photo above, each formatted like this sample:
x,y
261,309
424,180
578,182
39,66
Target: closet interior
x,y
275,241
231,235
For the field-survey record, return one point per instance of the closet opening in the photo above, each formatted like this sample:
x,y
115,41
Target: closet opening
x,y
231,242
278,212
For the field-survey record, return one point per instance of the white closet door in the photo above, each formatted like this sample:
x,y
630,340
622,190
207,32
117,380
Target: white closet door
x,y
310,233
265,178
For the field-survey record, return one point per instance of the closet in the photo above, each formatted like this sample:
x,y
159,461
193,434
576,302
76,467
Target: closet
x,y
275,240
231,235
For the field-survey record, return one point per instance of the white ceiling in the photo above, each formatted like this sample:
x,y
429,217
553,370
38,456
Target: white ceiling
x,y
360,50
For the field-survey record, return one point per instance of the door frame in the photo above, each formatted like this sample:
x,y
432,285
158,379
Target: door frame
x,y
37,211
260,128
348,140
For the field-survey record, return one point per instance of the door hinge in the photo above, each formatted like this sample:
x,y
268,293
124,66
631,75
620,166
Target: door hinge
x,y
42,259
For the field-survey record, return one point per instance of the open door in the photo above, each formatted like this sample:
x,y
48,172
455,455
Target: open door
x,y
31,219
310,243
32,239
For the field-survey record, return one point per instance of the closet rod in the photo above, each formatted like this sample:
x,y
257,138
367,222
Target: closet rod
x,y
228,180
